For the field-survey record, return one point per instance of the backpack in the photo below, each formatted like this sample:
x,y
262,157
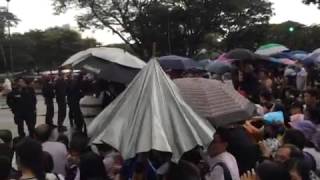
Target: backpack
x,y
226,172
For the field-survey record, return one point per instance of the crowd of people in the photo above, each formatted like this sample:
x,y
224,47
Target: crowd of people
x,y
282,142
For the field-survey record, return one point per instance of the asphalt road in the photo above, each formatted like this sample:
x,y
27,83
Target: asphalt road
x,y
6,117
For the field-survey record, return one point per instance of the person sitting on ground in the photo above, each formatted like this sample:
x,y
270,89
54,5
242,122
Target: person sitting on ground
x,y
111,159
183,170
268,170
79,145
62,138
242,148
297,138
287,152
57,150
5,169
6,136
298,169
29,160
223,165
92,167
48,167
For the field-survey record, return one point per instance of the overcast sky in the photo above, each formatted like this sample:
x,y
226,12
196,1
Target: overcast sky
x,y
42,17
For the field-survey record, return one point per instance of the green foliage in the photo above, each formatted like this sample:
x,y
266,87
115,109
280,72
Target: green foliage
x,y
176,26
43,50
302,38
311,2
6,19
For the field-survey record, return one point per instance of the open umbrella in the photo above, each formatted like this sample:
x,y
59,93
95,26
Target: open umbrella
x,y
218,67
215,101
178,63
112,64
204,63
313,58
240,54
271,49
150,115
283,61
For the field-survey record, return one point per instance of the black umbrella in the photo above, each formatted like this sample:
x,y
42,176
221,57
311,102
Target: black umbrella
x,y
178,63
240,54
219,67
107,70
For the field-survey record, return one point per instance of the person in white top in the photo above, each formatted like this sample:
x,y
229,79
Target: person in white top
x,y
301,79
57,150
223,165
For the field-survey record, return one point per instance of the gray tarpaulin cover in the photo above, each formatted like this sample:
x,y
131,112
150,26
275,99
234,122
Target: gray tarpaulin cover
x,y
151,114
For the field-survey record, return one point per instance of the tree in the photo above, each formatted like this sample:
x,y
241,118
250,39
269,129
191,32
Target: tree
x,y
176,26
312,2
294,35
44,50
7,20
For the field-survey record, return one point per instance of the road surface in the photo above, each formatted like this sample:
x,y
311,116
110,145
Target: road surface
x,y
6,117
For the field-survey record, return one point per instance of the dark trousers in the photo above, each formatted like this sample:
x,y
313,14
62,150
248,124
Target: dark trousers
x,y
71,115
62,110
78,117
50,111
29,119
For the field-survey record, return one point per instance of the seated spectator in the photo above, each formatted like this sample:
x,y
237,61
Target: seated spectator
x,y
91,167
5,169
223,165
268,170
29,160
242,148
298,169
48,167
184,170
57,150
79,145
111,159
294,137
62,138
6,137
287,152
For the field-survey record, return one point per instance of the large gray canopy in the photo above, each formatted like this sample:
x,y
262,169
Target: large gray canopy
x,y
151,115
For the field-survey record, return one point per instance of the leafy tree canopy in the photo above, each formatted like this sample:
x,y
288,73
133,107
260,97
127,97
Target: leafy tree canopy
x,y
175,26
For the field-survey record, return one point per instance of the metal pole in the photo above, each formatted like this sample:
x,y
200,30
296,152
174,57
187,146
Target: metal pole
x,y
10,43
169,34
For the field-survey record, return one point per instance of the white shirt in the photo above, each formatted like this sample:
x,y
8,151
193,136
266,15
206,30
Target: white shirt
x,y
301,79
59,154
217,173
90,107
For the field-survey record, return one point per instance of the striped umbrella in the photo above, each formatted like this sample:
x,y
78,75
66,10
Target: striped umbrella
x,y
271,49
216,101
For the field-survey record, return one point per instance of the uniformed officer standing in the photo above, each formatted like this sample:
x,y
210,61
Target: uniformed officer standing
x,y
48,94
61,92
22,101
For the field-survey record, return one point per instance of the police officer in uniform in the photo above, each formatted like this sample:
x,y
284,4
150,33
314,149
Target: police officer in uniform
x,y
22,101
48,94
61,92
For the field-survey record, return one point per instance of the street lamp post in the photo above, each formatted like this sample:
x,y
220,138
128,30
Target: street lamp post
x,y
10,43
169,33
